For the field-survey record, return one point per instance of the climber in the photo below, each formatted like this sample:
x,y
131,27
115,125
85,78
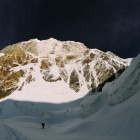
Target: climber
x,y
43,125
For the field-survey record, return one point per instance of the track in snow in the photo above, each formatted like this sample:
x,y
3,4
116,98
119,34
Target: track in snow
x,y
7,133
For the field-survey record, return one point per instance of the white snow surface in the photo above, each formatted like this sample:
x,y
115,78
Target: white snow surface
x,y
51,46
113,114
2,54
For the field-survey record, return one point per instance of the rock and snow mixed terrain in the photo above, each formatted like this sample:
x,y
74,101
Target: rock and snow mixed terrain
x,y
112,114
69,64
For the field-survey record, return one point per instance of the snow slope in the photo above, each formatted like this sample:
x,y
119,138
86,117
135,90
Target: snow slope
x,y
112,114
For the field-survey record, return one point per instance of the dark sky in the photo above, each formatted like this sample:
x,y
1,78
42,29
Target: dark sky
x,y
108,25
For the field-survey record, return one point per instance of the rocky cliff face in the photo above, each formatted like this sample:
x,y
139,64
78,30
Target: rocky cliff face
x,y
55,61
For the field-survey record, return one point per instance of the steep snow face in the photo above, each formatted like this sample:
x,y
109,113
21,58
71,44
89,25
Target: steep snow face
x,y
51,62
116,92
127,85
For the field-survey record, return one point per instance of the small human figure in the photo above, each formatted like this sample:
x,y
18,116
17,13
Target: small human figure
x,y
43,125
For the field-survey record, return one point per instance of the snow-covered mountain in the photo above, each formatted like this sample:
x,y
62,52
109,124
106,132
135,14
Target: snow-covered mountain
x,y
112,114
56,67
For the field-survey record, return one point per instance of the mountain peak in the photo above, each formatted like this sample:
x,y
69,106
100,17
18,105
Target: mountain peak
x,y
53,62
52,46
47,47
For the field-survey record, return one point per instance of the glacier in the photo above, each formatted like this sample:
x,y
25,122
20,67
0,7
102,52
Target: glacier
x,y
112,114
